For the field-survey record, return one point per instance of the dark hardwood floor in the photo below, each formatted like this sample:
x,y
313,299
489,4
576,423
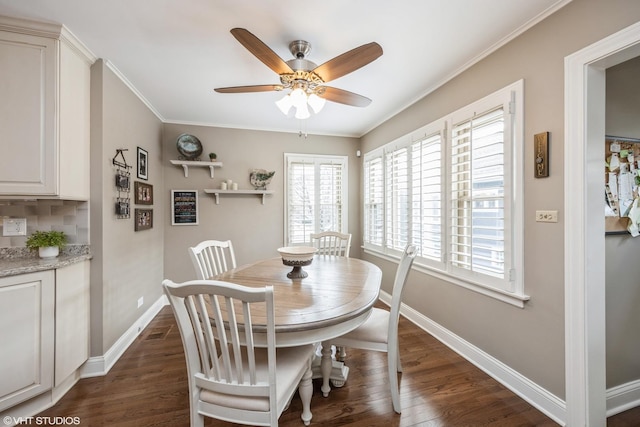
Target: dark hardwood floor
x,y
148,387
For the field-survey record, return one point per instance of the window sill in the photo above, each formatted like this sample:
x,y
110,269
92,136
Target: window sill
x,y
512,298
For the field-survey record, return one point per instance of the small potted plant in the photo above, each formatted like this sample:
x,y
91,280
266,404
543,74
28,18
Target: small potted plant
x,y
213,157
48,243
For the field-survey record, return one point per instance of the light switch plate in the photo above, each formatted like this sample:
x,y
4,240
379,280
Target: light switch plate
x,y
14,227
546,216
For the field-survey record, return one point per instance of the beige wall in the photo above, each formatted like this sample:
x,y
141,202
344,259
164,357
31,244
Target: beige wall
x,y
127,264
622,267
529,340
256,230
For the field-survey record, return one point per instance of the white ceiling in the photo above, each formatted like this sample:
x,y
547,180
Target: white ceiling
x,y
174,52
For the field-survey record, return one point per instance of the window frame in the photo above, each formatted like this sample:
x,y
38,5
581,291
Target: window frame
x,y
510,288
316,160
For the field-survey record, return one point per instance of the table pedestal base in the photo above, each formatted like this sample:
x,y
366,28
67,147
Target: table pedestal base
x,y
338,374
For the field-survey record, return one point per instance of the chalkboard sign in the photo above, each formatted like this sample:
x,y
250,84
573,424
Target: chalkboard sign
x,y
184,207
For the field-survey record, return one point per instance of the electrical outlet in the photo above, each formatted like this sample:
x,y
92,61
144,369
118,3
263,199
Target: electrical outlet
x,y
546,216
140,301
14,227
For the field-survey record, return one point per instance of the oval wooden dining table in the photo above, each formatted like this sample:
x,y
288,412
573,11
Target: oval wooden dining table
x,y
336,297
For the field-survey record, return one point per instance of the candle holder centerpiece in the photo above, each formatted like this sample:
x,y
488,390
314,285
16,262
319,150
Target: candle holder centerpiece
x,y
297,257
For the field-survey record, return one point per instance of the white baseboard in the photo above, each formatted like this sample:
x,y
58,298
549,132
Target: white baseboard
x,y
540,398
100,365
623,397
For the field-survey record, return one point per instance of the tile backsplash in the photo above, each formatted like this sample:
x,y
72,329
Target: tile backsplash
x,y
69,216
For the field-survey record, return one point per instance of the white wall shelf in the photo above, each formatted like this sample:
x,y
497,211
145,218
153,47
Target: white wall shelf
x,y
186,163
217,192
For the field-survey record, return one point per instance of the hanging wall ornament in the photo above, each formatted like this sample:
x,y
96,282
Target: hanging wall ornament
x,y
123,184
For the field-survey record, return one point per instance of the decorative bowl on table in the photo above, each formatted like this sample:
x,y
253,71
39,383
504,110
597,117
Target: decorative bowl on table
x,y
297,257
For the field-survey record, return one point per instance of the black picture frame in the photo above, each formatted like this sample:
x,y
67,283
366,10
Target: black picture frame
x,y
143,219
143,193
184,207
143,164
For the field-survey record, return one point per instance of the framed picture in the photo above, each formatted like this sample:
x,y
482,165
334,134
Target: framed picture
x,y
184,207
122,180
144,219
143,193
122,208
143,164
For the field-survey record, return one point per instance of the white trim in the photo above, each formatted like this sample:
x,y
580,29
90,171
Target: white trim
x,y
514,299
133,89
623,397
100,365
584,234
540,398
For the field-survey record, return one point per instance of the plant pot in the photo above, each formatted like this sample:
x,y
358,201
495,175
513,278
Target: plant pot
x,y
48,251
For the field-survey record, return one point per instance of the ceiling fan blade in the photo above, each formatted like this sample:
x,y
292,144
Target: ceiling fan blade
x,y
247,89
261,51
348,61
344,97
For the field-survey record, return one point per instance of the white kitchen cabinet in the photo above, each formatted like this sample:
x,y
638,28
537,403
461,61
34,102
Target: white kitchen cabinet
x,y
27,336
44,111
72,319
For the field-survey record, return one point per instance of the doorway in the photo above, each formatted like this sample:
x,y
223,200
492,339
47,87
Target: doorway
x,y
585,344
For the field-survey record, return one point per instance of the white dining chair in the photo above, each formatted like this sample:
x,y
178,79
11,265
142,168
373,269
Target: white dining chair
x,y
380,331
332,243
230,378
212,257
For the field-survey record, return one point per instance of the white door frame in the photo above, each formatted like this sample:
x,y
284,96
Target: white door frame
x,y
584,249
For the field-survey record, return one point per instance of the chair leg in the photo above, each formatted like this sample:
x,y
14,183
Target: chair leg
x,y
305,389
398,361
393,359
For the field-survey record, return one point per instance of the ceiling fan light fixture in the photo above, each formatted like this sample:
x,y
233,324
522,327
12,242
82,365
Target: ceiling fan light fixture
x,y
302,112
298,97
285,104
316,103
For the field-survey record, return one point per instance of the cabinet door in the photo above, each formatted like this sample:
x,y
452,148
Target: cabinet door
x,y
72,319
26,334
28,162
75,73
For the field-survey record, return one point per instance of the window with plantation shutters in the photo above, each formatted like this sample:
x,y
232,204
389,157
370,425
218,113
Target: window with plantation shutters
x,y
453,189
373,218
478,194
316,196
397,200
426,198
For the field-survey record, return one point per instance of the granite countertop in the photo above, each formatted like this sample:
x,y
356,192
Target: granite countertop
x,y
15,261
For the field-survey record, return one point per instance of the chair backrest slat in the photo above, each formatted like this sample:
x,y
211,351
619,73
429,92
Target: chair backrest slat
x,y
212,257
332,243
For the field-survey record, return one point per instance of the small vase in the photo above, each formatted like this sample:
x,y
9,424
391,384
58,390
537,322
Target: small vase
x,y
48,251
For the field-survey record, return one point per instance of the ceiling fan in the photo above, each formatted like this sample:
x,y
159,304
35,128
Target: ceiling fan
x,y
305,79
